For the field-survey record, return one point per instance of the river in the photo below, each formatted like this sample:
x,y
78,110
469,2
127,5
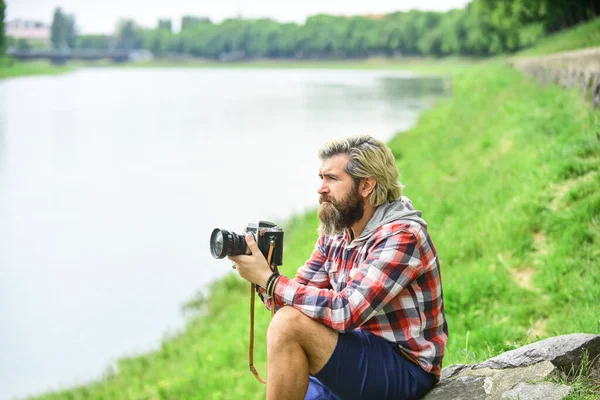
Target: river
x,y
111,180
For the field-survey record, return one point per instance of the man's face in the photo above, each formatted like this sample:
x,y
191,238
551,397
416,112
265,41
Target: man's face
x,y
340,202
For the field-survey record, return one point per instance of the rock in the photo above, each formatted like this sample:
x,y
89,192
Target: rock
x,y
488,383
538,391
562,351
460,388
518,374
453,370
502,380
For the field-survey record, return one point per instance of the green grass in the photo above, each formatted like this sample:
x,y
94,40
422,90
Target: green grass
x,y
580,37
510,184
583,379
13,69
507,174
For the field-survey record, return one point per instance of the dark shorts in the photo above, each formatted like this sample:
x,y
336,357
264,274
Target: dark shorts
x,y
365,366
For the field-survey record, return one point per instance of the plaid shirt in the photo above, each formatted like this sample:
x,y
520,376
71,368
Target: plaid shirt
x,y
387,283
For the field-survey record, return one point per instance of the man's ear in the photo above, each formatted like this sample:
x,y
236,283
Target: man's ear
x,y
367,185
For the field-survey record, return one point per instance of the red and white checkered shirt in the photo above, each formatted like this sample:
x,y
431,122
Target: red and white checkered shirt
x,y
387,283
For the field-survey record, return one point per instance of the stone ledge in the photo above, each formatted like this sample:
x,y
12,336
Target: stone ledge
x,y
573,69
538,391
519,373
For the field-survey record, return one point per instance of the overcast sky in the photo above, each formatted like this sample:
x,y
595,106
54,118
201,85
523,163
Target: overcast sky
x,y
101,16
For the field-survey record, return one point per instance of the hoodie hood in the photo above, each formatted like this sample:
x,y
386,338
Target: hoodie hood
x,y
399,209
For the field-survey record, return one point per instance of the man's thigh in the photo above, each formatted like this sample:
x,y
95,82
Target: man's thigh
x,y
317,340
365,366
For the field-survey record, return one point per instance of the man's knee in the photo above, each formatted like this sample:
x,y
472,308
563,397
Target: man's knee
x,y
285,325
290,327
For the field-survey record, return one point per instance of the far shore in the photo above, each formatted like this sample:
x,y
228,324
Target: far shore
x,y
420,65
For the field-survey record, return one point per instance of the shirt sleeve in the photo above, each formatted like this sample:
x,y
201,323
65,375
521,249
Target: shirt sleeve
x,y
312,273
393,262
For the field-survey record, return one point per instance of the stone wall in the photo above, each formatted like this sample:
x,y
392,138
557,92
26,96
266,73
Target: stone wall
x,y
575,69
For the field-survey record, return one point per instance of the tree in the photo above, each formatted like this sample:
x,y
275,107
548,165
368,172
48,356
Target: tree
x,y
129,36
482,28
2,36
165,25
63,34
189,22
71,38
561,14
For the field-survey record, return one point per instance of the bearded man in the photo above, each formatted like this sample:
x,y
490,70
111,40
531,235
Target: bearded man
x,y
364,316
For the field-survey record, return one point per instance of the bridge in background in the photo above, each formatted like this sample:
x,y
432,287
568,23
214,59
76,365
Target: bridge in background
x,y
61,57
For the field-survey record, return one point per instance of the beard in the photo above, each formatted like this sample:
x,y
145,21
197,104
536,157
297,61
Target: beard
x,y
336,216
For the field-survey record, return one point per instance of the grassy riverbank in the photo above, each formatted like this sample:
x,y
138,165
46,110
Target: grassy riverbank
x,y
582,36
13,69
507,174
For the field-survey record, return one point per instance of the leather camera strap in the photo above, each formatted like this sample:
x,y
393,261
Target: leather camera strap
x,y
252,296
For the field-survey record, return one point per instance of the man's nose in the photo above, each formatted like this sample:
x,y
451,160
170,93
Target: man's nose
x,y
322,189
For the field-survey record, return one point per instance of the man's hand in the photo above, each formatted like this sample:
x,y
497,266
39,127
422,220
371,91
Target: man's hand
x,y
253,268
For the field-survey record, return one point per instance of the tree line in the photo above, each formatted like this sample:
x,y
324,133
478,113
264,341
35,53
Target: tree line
x,y
2,36
482,28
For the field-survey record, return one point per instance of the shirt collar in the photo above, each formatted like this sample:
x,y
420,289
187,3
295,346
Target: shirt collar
x,y
356,242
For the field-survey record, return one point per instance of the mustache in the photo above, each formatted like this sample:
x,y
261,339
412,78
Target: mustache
x,y
323,198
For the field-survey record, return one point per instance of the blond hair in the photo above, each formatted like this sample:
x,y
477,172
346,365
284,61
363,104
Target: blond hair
x,y
368,157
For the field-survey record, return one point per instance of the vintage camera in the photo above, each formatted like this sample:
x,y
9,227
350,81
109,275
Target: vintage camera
x,y
224,243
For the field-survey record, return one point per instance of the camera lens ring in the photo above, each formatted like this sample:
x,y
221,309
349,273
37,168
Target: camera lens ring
x,y
225,243
217,243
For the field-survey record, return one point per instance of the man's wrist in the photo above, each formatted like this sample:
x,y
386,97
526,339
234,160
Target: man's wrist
x,y
263,279
270,288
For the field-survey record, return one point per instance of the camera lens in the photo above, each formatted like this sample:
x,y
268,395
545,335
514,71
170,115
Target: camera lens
x,y
217,244
224,243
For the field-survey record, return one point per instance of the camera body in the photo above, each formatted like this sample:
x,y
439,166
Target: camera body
x,y
224,243
265,233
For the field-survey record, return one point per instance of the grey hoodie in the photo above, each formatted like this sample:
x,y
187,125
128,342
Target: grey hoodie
x,y
399,209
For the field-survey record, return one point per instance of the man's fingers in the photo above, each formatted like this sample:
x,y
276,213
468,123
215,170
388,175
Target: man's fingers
x,y
240,259
252,244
